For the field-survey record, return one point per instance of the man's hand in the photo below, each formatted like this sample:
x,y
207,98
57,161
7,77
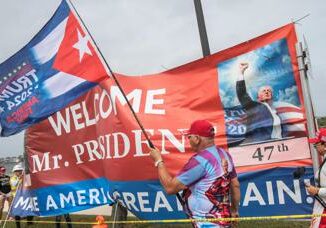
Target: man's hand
x,y
312,190
235,199
155,154
8,195
234,214
243,67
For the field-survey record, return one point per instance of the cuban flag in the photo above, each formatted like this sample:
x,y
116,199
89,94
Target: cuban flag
x,y
58,65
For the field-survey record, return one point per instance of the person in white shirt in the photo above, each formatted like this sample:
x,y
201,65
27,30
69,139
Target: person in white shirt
x,y
319,188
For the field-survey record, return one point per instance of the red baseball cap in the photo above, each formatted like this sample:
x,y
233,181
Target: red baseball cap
x,y
202,128
320,136
2,168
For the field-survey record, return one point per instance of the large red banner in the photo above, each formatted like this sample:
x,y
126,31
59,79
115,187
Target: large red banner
x,y
97,137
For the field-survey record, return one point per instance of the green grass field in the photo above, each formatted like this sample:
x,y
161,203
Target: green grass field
x,y
39,222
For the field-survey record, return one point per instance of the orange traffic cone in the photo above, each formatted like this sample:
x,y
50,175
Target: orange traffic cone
x,y
100,222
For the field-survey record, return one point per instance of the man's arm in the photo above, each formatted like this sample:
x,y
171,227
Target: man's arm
x,y
235,196
171,184
241,90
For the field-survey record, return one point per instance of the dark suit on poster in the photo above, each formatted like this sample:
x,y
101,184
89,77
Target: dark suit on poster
x,y
259,120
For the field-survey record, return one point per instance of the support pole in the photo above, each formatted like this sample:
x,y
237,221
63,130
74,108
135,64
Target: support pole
x,y
202,28
120,214
301,55
109,71
121,211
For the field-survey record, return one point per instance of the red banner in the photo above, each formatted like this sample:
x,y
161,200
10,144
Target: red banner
x,y
97,136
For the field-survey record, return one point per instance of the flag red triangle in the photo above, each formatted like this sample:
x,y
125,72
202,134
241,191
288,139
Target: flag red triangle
x,y
77,56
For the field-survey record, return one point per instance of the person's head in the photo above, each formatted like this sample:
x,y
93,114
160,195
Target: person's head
x,y
201,135
265,94
18,170
100,219
319,141
2,170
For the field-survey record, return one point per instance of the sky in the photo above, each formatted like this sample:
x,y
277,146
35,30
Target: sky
x,y
149,36
277,71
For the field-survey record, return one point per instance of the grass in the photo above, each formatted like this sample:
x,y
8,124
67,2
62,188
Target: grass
x,y
91,218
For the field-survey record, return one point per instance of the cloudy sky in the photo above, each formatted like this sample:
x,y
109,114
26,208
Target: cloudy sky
x,y
149,36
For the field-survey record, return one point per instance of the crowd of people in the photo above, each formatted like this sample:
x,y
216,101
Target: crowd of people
x,y
8,189
9,185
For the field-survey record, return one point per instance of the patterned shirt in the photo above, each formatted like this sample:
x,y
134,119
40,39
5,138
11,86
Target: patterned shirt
x,y
208,175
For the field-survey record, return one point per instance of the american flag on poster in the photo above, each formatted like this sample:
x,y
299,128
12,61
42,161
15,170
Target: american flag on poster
x,y
55,67
292,118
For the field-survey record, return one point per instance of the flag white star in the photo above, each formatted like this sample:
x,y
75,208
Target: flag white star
x,y
1,109
82,46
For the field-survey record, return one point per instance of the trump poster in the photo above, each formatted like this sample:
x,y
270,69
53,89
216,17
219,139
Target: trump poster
x,y
93,153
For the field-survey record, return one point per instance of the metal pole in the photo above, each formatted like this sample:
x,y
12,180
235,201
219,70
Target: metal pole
x,y
120,214
25,156
123,209
307,103
202,28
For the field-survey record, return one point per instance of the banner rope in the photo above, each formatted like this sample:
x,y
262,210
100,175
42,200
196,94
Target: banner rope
x,y
279,217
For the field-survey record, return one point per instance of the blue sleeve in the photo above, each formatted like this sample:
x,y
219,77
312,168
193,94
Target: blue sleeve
x,y
191,172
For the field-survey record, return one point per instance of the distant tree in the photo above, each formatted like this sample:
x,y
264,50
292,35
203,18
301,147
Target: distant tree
x,y
321,121
20,158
